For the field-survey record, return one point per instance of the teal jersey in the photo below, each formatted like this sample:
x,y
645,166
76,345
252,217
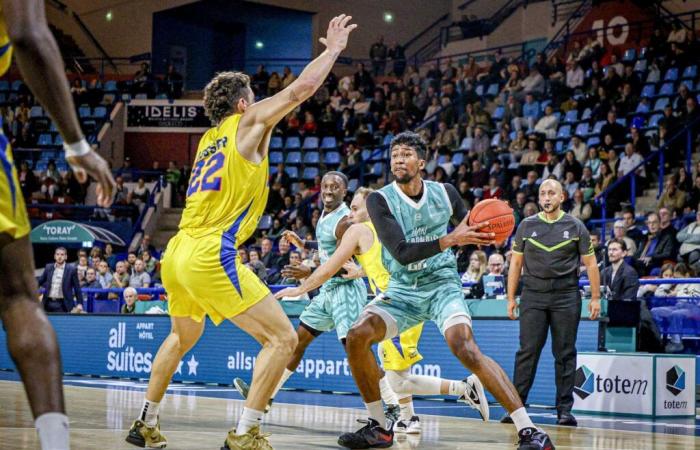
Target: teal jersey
x,y
423,221
325,236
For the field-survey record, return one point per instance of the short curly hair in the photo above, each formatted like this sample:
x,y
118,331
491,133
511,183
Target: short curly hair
x,y
410,139
223,92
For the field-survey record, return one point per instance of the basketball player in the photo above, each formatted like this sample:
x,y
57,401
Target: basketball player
x,y
31,340
398,354
201,270
341,300
411,217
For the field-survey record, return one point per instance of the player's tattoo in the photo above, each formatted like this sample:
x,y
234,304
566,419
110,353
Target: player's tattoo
x,y
293,96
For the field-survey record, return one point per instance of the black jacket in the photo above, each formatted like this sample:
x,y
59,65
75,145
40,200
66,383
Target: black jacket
x,y
70,285
624,286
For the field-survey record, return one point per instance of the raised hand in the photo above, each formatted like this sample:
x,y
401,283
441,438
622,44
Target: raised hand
x,y
337,35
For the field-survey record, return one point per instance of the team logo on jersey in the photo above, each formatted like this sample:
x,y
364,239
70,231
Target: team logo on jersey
x,y
534,234
566,235
418,217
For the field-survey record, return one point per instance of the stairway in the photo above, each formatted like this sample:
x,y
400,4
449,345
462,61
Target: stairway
x,y
647,202
166,227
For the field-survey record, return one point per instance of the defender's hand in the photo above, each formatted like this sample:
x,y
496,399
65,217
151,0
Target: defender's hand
x,y
94,165
337,35
296,272
293,239
288,292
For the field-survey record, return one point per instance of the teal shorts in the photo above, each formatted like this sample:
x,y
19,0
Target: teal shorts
x,y
440,300
338,306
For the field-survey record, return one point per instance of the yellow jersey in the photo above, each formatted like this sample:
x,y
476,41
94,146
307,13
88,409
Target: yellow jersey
x,y
371,262
226,192
5,45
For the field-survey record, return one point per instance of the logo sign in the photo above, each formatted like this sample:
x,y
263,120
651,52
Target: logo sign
x,y
675,388
584,382
165,116
675,380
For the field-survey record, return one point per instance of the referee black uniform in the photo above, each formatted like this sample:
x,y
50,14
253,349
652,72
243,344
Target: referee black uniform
x,y
550,299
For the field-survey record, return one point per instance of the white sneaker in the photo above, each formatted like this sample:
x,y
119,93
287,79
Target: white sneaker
x,y
475,396
409,427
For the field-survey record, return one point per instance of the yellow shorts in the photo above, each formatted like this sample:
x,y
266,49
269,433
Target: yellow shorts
x,y
13,214
204,276
401,352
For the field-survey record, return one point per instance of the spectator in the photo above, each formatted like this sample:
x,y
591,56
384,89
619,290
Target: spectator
x,y
173,175
27,180
528,160
672,318
91,280
689,238
534,83
120,278
629,161
548,123
130,297
531,112
492,285
104,276
580,209
614,129
619,233
173,82
570,184
151,263
145,245
288,77
122,195
397,54
378,54
621,281
579,148
605,180
631,229
493,190
141,194
82,267
140,278
274,84
656,249
476,268
574,76
672,198
256,265
60,284
260,80
572,165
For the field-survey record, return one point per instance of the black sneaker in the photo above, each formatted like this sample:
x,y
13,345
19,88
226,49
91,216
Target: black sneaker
x,y
534,439
506,419
567,419
370,436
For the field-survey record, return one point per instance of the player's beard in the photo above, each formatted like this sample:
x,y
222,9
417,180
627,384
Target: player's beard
x,y
406,177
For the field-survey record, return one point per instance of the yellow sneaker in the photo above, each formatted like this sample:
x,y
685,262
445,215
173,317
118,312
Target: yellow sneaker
x,y
252,440
144,436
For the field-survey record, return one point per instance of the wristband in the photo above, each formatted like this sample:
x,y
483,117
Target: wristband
x,y
80,148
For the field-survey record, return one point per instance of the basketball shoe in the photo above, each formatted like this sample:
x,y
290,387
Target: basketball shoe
x,y
475,396
243,388
408,426
141,435
372,435
534,439
252,440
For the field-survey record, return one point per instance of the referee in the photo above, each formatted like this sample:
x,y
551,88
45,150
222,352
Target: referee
x,y
547,249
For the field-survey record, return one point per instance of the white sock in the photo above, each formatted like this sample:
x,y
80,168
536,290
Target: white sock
x,y
457,387
285,376
424,385
53,430
388,394
248,420
521,419
149,412
376,412
407,410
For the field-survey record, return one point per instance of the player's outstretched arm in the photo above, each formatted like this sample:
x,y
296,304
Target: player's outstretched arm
x,y
271,110
345,251
42,68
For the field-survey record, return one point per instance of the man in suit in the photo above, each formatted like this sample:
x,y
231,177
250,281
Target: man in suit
x,y
60,283
621,280
657,248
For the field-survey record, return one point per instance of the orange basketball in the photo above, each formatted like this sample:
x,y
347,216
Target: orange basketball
x,y
498,214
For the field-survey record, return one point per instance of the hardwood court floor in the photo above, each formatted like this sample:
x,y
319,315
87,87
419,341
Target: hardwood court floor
x,y
101,417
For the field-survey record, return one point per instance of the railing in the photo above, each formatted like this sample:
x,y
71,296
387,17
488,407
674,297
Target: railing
x,y
631,177
564,32
429,41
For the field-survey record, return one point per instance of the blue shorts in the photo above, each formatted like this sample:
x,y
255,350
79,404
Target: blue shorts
x,y
439,299
338,306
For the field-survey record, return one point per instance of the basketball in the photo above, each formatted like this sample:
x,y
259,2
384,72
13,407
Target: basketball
x,y
498,214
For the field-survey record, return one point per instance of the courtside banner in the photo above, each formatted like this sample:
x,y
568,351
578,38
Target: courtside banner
x,y
166,116
675,385
125,346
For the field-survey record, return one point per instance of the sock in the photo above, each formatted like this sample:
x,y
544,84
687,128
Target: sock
x,y
376,412
248,420
407,410
149,412
457,387
521,419
285,376
388,395
53,430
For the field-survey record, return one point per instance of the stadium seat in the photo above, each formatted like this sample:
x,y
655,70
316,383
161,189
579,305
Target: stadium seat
x,y
466,143
689,84
544,103
366,153
642,108
4,85
378,169
378,154
479,90
571,116
276,143
586,114
276,158
353,185
654,121
100,112
126,97
559,148
642,52
292,143
312,157
666,90
265,222
564,132
141,96
671,74
598,126
84,111
3,97
622,121
332,158
110,86
45,140
36,111
293,172
648,90
293,158
630,55
495,140
457,158
660,103
498,113
387,139
273,170
310,143
310,173
58,140
328,143
16,85
582,129
690,72
640,65
493,89
593,141
162,96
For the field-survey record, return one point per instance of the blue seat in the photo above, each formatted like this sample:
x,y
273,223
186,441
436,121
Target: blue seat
x,y
41,166
559,147
457,158
265,222
310,173
58,140
564,132
671,74
630,55
479,90
498,113
640,65
100,306
273,170
690,72
660,103
292,143
276,143
598,126
100,112
441,159
495,140
276,158
84,111
16,85
378,169
125,97
654,121
45,140
366,153
642,108
582,129
493,90
593,141
293,158
353,185
329,143
3,97
666,90
162,96
293,172
544,103
312,157
387,139
378,154
110,86
689,84
648,90
36,111
642,52
332,158
586,114
571,116
310,143
4,85
467,143
141,96
622,121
